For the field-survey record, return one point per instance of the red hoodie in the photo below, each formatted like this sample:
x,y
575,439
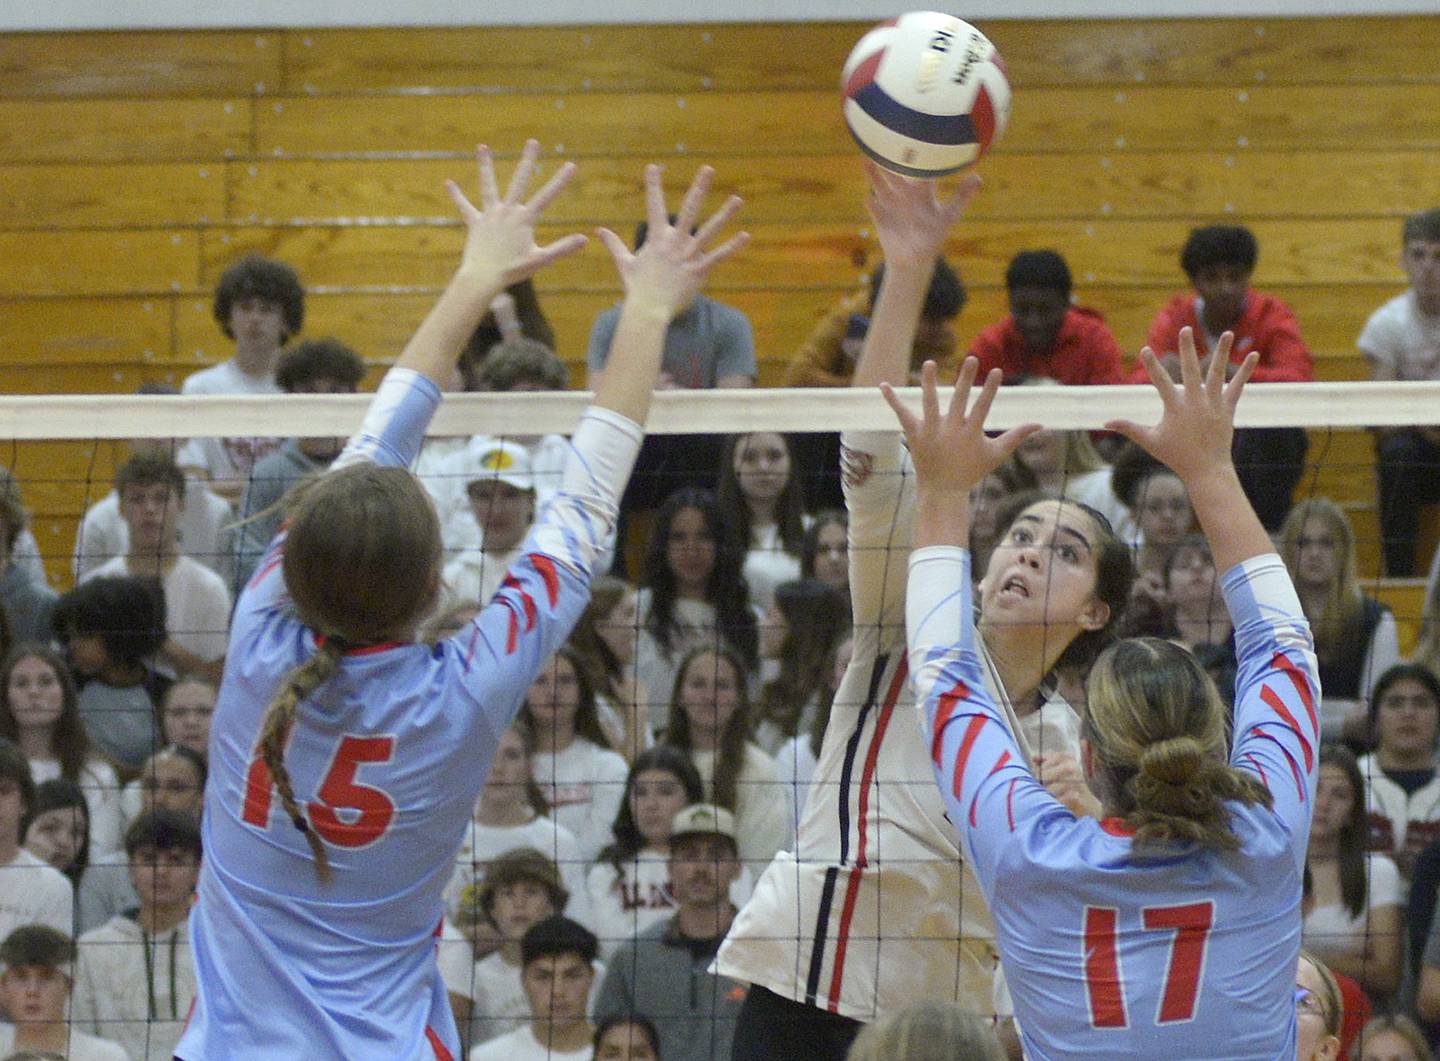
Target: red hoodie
x,y
1085,351
1266,325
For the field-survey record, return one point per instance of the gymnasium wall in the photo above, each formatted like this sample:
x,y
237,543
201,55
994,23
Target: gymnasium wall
x,y
135,165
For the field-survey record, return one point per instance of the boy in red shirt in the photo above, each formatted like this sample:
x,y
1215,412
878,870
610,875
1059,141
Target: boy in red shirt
x,y
1219,261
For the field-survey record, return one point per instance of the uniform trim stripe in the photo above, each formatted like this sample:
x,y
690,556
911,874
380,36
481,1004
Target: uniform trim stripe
x,y
950,130
441,1053
1274,703
817,952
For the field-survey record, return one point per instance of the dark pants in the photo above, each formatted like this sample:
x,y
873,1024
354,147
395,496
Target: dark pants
x,y
1409,472
772,1028
1270,462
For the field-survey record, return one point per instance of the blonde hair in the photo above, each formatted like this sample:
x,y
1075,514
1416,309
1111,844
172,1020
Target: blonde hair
x,y
1339,620
1400,1025
362,560
1157,725
1334,1001
927,1031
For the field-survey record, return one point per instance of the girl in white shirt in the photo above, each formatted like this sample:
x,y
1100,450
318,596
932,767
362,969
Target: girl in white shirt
x,y
757,486
798,636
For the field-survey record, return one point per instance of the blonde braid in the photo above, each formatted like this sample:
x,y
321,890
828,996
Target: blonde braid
x,y
275,734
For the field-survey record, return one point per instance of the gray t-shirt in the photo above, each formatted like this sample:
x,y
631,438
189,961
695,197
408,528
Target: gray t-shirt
x,y
706,342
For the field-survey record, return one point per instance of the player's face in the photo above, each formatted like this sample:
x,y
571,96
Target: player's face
x,y
702,868
709,693
690,551
985,501
57,835
1043,573
504,513
34,694
1407,719
1223,287
1192,579
1039,312
832,556
1317,554
625,1042
1384,1046
1163,509
163,878
554,698
774,629
258,324
762,467
34,994
189,707
618,628
655,798
1421,259
1334,802
518,906
151,512
1313,1041
1043,452
558,988
170,782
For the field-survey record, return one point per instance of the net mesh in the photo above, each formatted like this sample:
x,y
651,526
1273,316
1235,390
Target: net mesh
x,y
583,812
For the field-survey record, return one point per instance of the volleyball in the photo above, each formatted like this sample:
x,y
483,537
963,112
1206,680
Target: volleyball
x,y
925,94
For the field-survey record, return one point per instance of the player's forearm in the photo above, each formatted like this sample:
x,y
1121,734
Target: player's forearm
x,y
1227,517
885,355
435,347
628,381
394,425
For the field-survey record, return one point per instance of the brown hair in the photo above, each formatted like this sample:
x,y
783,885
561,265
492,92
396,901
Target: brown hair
x,y
69,742
730,757
1338,624
1157,726
927,1031
818,620
517,866
362,558
587,712
1398,1024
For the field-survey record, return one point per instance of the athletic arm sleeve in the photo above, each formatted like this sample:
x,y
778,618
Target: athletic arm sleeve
x,y
987,788
879,486
1277,690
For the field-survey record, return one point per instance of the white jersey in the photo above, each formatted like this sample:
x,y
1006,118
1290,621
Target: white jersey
x,y
875,910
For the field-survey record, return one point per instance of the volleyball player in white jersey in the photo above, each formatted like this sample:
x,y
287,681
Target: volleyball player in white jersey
x,y
318,940
875,910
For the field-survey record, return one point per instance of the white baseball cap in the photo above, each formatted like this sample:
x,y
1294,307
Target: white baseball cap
x,y
498,460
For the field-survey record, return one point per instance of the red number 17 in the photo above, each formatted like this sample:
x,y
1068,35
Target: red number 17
x,y
1105,981
370,809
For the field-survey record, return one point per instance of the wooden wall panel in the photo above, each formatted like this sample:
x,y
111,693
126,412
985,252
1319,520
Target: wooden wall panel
x,y
97,263
179,63
123,130
38,332
71,196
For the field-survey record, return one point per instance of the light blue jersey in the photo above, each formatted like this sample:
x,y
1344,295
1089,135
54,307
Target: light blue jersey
x,y
388,757
1179,953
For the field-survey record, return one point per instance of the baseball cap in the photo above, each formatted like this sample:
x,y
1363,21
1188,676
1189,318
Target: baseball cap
x,y
704,819
507,462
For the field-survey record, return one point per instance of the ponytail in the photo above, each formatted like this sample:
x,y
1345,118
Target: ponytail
x,y
275,734
1157,725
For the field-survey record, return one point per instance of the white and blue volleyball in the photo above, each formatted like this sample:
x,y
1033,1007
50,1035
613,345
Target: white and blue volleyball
x,y
925,94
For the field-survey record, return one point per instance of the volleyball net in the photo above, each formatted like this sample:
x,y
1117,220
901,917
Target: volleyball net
x,y
63,452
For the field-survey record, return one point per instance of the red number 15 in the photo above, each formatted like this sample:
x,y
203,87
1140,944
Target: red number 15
x,y
369,809
1105,981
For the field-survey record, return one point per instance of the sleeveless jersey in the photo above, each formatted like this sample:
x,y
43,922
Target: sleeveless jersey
x,y
1181,951
388,757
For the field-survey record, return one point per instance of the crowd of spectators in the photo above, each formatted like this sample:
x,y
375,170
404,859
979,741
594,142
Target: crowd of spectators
x,y
662,756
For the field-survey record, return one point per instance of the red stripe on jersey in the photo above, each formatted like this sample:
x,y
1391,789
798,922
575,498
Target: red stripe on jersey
x,y
269,565
1297,678
943,711
837,974
441,1054
974,803
1273,701
1103,989
512,637
852,882
1259,770
546,568
531,612
1010,802
967,744
1294,766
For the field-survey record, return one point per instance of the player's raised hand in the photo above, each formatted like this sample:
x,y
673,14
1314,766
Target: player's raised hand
x,y
911,219
950,449
669,270
1194,433
500,247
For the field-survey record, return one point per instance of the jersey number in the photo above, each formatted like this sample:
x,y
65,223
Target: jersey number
x,y
1105,982
368,810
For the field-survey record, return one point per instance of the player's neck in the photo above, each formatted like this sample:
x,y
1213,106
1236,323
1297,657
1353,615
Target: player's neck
x,y
1323,848
555,737
1022,657
157,919
42,1037
1419,759
256,361
568,1036
705,922
152,560
34,743
509,952
497,808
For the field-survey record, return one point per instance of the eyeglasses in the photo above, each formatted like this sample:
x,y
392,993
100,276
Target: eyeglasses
x,y
1309,1003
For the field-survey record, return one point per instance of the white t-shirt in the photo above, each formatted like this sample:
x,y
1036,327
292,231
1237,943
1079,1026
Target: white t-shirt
x,y
759,804
767,564
483,843
475,575
102,797
499,996
622,905
521,1045
584,785
227,458
34,893
1329,929
104,535
1400,338
81,1047
197,604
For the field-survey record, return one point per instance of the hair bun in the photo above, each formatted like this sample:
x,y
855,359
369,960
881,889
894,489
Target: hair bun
x,y
1174,761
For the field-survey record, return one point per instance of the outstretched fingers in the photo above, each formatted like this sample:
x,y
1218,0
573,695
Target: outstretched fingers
x,y
718,220
712,258
520,179
908,423
689,212
551,188
615,245
1242,376
956,205
467,209
489,190
655,215
553,252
